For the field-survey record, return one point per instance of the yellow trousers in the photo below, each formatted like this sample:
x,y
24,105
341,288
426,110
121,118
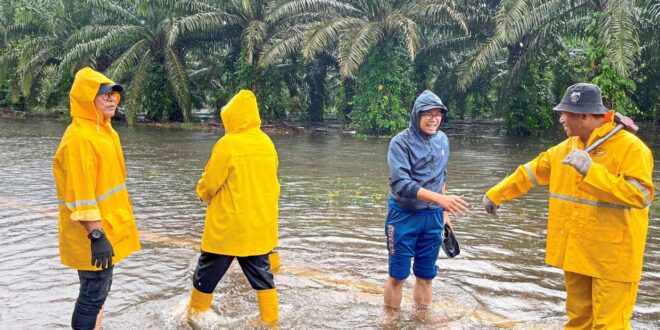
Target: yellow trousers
x,y
594,303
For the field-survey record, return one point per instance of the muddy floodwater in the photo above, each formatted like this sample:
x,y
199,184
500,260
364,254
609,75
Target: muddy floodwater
x,y
332,243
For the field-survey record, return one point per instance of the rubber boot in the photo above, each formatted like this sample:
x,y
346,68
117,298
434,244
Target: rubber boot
x,y
268,305
274,258
200,302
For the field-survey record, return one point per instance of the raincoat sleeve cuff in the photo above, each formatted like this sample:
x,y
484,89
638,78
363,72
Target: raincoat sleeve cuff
x,y
494,197
86,215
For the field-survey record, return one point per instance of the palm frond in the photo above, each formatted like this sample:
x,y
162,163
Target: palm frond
x,y
208,22
486,54
32,46
620,34
297,7
18,30
429,12
253,37
136,88
38,59
278,49
323,35
444,45
114,10
354,49
515,19
407,28
49,79
186,6
8,64
123,67
534,47
28,79
120,37
88,33
178,78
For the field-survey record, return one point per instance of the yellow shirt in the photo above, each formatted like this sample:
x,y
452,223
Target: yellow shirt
x,y
90,179
597,224
240,184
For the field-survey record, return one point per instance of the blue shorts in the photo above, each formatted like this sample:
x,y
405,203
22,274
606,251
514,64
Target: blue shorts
x,y
413,234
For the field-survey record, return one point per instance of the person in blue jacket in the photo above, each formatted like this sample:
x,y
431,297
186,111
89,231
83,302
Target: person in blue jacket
x,y
418,204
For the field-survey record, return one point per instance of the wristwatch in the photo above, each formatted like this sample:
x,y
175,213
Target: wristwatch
x,y
95,234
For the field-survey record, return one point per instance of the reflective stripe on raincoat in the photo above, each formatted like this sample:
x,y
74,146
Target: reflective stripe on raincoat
x,y
597,224
90,179
240,184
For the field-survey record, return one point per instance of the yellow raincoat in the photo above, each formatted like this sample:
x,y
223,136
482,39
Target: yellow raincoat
x,y
597,224
240,184
90,179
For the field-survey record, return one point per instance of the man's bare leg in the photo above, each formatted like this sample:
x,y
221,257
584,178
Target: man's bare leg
x,y
393,293
99,319
423,293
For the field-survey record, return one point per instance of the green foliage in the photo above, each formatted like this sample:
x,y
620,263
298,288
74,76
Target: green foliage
x,y
614,86
311,60
158,102
268,86
384,92
528,108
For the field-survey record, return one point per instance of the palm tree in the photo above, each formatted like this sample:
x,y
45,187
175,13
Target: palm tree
x,y
36,33
526,26
142,38
349,32
244,30
454,48
647,75
355,28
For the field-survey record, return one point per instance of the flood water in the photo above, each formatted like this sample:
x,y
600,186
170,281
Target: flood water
x,y
332,244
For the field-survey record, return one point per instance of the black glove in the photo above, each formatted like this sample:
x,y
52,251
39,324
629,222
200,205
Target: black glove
x,y
102,251
490,206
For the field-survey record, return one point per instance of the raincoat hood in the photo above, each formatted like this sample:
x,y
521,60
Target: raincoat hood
x,y
425,102
86,85
241,112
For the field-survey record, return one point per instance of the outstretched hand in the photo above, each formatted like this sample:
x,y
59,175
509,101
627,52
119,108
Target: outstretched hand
x,y
490,206
453,204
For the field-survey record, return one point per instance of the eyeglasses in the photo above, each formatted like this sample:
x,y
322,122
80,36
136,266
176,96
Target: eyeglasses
x,y
110,96
429,115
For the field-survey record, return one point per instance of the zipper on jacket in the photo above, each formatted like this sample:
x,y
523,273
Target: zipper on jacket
x,y
432,161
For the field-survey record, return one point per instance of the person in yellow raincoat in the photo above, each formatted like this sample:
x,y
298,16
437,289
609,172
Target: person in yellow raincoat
x,y
96,224
241,189
598,210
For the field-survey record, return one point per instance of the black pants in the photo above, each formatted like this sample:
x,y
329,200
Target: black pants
x,y
212,267
94,288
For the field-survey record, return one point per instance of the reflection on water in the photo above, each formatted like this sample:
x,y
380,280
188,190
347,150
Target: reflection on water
x,y
334,262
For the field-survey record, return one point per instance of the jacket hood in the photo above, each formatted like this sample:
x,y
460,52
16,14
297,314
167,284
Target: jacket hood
x,y
86,84
425,102
241,112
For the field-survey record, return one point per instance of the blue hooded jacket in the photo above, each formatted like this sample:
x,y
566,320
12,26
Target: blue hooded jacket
x,y
417,159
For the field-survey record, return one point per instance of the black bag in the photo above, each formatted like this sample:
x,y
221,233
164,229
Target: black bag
x,y
449,243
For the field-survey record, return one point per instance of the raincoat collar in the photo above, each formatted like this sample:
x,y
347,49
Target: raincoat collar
x,y
85,87
603,129
424,102
241,113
